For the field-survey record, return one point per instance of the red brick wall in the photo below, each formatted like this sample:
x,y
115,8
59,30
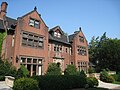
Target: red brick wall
x,y
30,51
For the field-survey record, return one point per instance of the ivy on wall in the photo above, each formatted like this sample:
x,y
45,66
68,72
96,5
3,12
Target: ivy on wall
x,y
2,37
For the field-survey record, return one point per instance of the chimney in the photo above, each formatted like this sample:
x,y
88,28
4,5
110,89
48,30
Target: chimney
x,y
3,9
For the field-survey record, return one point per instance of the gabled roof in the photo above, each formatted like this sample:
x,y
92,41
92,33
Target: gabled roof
x,y
35,10
63,39
75,33
56,27
10,21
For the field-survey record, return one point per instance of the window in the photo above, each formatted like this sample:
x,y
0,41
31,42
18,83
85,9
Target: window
x,y
81,39
34,60
82,65
31,23
13,40
57,34
40,61
81,50
55,48
66,50
23,60
58,48
34,23
29,39
71,63
29,60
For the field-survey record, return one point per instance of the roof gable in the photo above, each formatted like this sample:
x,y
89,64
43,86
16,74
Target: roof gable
x,y
35,10
55,29
62,39
72,36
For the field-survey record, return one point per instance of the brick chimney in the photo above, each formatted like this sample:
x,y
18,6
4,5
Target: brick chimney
x,y
3,10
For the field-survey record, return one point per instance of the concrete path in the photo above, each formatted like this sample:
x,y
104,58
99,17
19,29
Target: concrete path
x,y
109,85
3,86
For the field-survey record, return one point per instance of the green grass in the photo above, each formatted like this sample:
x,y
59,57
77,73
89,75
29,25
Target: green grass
x,y
91,89
116,82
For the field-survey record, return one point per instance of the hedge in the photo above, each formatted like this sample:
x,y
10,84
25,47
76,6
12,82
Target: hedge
x,y
92,82
57,82
25,84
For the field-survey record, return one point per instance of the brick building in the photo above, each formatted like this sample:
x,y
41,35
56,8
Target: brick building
x,y
31,43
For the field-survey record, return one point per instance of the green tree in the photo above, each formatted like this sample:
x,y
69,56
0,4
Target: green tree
x,y
82,74
104,52
7,69
53,69
22,72
2,36
70,70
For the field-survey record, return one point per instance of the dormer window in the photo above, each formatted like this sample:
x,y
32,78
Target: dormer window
x,y
57,34
34,23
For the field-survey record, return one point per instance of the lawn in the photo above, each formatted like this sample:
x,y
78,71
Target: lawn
x,y
116,82
91,89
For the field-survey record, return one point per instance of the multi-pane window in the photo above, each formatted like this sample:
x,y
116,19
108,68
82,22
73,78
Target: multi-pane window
x,y
34,23
32,40
58,48
81,38
81,50
25,60
82,65
57,34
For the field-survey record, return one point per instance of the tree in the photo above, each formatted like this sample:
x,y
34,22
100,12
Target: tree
x,y
7,69
2,36
104,53
22,72
70,70
53,69
82,74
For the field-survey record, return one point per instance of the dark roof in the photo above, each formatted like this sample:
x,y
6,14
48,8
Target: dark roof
x,y
63,38
54,28
72,36
10,21
91,64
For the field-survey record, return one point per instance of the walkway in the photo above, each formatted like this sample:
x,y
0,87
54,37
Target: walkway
x,y
109,85
3,86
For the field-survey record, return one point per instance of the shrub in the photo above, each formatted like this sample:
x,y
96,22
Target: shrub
x,y
82,74
91,70
104,76
22,72
7,69
70,70
2,78
115,76
53,69
92,81
60,82
110,79
25,84
118,76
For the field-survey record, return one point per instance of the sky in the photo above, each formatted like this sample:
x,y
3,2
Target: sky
x,y
94,16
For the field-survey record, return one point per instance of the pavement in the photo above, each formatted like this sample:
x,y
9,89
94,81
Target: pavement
x,y
109,85
3,86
